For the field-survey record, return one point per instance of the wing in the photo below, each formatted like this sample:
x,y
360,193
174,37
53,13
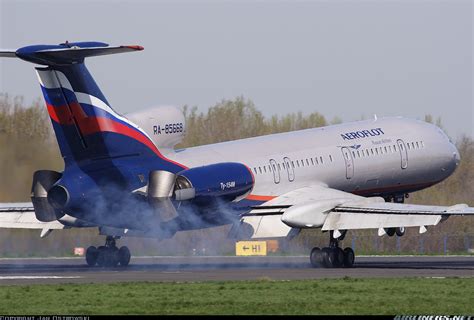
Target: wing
x,y
330,209
21,215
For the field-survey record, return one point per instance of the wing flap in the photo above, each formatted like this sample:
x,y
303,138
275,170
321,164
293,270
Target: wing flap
x,y
318,206
350,220
262,227
400,208
25,220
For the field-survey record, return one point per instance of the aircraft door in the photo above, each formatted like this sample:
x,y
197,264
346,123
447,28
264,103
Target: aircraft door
x,y
276,171
346,153
289,168
403,153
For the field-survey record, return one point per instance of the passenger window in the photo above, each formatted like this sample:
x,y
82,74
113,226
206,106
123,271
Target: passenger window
x,y
330,158
260,169
307,161
293,164
321,158
265,169
385,149
312,161
255,169
298,163
377,151
279,168
353,154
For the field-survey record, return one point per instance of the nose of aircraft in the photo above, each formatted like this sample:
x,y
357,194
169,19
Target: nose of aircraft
x,y
451,159
456,155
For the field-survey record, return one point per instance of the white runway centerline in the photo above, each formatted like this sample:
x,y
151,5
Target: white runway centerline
x,y
37,277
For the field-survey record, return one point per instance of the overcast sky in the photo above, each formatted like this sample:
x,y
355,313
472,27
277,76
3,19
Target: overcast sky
x,y
350,59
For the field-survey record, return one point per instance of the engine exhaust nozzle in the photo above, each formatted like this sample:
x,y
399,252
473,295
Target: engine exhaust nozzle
x,y
58,197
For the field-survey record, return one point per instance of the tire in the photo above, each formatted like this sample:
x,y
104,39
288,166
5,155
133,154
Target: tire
x,y
327,257
91,256
316,257
349,257
390,231
102,256
338,260
112,257
124,256
400,231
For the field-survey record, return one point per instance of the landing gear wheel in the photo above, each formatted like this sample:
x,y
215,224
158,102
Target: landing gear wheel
x,y
390,232
349,257
113,258
327,257
338,257
400,231
333,256
101,256
124,256
91,256
316,257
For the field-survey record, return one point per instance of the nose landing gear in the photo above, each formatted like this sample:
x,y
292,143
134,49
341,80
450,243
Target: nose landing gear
x,y
108,255
332,256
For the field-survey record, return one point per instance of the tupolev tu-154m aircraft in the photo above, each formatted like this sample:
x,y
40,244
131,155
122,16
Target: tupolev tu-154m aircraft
x,y
123,175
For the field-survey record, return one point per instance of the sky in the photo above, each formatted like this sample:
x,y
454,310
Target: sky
x,y
350,59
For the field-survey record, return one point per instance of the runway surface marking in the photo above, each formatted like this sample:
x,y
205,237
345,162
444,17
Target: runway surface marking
x,y
225,268
37,277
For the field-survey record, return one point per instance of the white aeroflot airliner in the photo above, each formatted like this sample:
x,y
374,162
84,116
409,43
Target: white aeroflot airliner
x,y
123,175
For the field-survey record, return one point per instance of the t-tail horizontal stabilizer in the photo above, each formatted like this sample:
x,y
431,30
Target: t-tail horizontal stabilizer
x,y
65,53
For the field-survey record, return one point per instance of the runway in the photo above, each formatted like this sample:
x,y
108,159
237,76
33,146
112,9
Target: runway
x,y
198,268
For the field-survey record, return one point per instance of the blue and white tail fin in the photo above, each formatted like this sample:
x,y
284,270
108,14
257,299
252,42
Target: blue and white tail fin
x,y
86,127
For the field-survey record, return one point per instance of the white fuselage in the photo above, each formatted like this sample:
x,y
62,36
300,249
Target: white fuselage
x,y
371,157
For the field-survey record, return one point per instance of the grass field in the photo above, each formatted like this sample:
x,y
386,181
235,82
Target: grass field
x,y
327,296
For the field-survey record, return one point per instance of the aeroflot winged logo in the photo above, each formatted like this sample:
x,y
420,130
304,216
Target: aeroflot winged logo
x,y
362,134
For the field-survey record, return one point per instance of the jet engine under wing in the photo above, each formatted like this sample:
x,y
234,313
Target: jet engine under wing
x,y
330,209
21,215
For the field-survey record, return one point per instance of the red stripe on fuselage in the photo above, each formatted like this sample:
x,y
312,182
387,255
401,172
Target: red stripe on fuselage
x,y
259,198
91,125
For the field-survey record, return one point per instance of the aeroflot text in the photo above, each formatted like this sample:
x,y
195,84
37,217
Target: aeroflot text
x,y
362,134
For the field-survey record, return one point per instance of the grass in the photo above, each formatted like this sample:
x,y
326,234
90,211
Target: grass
x,y
263,296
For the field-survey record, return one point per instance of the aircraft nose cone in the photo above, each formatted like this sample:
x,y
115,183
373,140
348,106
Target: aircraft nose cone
x,y
456,156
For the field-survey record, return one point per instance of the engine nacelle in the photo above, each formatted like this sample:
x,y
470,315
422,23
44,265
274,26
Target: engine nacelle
x,y
227,180
43,180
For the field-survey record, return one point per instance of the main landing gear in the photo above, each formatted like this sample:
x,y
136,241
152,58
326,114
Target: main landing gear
x,y
332,256
108,255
